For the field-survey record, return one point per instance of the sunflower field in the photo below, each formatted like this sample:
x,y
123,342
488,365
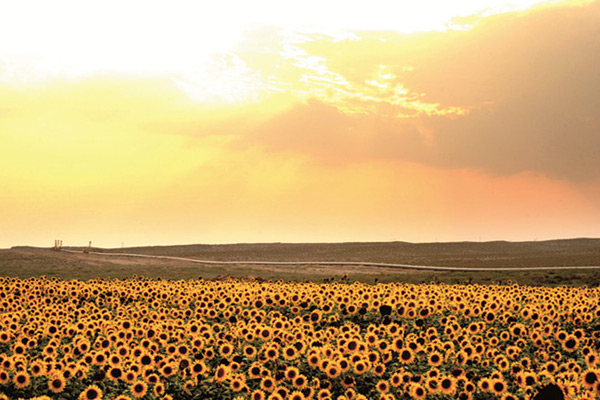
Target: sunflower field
x,y
155,339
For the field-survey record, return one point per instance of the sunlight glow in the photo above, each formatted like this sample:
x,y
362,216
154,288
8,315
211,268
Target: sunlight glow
x,y
70,39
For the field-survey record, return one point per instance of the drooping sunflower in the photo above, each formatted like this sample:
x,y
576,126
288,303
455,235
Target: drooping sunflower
x,y
221,373
432,385
348,381
158,389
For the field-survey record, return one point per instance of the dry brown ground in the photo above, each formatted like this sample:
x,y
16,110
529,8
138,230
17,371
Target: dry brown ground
x,y
25,262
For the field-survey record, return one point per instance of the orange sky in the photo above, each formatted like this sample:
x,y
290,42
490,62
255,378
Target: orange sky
x,y
315,122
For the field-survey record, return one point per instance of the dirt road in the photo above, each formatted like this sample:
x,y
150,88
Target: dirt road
x,y
333,263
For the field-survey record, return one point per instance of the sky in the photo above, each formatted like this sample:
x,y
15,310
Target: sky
x,y
147,123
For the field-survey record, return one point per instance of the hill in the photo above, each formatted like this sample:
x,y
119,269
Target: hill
x,y
30,261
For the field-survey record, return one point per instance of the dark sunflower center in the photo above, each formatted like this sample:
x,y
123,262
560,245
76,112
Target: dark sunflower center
x,y
590,378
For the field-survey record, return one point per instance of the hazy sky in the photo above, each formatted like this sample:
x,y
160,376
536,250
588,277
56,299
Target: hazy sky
x,y
174,122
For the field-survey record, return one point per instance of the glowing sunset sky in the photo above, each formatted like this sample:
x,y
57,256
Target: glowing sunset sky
x,y
145,122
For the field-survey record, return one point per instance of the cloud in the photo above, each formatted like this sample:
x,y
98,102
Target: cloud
x,y
513,94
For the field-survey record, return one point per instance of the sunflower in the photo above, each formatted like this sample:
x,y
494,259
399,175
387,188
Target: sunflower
x,y
323,394
570,343
267,384
115,373
56,383
589,378
383,386
272,353
296,395
314,360
237,383
198,368
433,385
226,350
333,371
550,367
4,376
315,317
168,370
257,395
222,373
282,391
348,381
92,392
406,356
146,359
37,368
448,385
469,387
417,391
396,379
130,376
138,389
18,348
379,369
498,386
291,373
21,379
122,397
485,384
435,359
249,351
300,382
290,353
158,389
275,396
344,365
